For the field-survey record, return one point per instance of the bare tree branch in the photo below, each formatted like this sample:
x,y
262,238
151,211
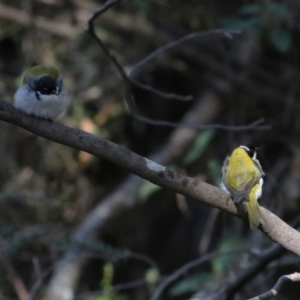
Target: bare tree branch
x,y
129,81
205,34
228,288
160,93
209,34
275,228
16,281
252,126
205,110
189,266
92,32
295,277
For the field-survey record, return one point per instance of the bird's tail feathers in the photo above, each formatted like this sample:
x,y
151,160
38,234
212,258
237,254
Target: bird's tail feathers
x,y
254,213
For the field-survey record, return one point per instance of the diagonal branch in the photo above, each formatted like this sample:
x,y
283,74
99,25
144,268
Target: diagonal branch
x,y
124,197
208,34
295,277
275,228
91,30
226,289
128,81
168,281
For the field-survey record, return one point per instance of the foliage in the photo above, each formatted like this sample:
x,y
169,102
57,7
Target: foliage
x,y
190,284
268,18
200,144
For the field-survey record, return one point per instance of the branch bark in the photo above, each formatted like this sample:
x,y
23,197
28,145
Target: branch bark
x,y
275,228
295,277
204,111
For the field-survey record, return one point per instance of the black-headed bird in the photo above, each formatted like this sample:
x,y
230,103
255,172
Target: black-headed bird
x,y
243,180
41,93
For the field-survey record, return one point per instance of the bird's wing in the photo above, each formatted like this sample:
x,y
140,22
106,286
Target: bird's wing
x,y
240,195
257,163
246,181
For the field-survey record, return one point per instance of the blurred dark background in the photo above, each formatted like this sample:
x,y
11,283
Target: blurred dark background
x,y
47,190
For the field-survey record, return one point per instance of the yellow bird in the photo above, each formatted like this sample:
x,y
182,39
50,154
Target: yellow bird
x,y
243,180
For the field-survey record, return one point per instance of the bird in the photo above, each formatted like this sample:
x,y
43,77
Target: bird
x,y
41,93
242,179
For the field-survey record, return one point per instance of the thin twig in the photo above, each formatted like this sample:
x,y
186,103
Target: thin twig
x,y
115,258
92,32
37,285
209,33
160,93
129,81
136,115
138,256
227,290
295,277
189,266
252,126
15,281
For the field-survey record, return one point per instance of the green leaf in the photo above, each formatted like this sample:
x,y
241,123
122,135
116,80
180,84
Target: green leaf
x,y
241,23
189,284
200,144
147,189
142,4
223,263
251,9
281,10
281,40
215,169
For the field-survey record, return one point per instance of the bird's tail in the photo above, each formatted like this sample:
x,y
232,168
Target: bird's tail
x,y
254,213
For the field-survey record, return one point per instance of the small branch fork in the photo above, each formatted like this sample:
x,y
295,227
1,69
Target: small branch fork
x,y
295,277
129,81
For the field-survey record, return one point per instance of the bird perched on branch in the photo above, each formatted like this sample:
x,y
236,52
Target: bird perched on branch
x,y
41,93
243,180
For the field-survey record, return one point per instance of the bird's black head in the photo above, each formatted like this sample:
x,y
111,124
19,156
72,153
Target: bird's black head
x,y
251,150
46,85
